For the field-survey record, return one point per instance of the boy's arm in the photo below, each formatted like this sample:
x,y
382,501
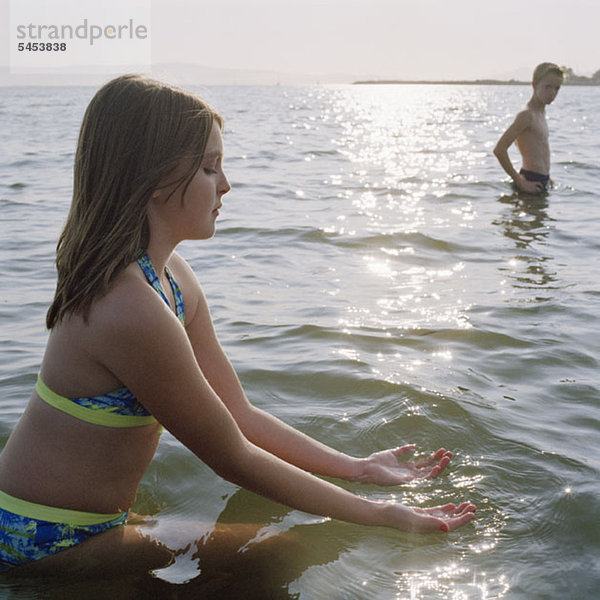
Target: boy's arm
x,y
520,124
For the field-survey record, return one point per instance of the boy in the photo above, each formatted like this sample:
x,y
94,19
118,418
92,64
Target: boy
x,y
530,131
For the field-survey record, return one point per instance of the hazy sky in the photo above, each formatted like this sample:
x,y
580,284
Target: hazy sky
x,y
429,39
385,38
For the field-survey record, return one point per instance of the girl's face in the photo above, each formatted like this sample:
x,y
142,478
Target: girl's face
x,y
191,211
202,198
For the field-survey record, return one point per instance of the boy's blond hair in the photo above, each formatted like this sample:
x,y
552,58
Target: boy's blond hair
x,y
543,69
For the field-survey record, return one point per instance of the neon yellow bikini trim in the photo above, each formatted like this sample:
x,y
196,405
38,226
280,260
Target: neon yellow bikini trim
x,y
52,514
96,417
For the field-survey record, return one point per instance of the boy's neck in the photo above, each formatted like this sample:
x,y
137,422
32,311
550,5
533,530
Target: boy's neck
x,y
536,105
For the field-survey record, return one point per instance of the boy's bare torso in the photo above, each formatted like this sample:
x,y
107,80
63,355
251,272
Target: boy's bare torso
x,y
529,131
533,143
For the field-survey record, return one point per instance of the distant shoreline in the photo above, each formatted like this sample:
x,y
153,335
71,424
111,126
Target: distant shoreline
x,y
460,82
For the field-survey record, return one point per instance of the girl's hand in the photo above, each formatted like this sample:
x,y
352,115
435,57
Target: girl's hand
x,y
430,520
383,468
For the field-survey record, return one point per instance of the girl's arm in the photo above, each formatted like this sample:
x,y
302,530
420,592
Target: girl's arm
x,y
270,433
142,342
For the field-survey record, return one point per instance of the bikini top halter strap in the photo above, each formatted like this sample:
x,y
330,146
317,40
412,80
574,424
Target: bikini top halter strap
x,y
154,281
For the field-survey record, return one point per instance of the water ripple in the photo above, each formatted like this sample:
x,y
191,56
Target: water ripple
x,y
375,282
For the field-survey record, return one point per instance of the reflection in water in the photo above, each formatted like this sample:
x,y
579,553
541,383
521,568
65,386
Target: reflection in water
x,y
255,551
253,561
525,222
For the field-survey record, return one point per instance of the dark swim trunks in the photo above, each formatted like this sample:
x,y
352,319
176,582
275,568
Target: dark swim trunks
x,y
533,176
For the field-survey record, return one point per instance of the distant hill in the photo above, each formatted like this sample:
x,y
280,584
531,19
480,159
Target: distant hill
x,y
570,79
579,81
178,73
440,82
200,75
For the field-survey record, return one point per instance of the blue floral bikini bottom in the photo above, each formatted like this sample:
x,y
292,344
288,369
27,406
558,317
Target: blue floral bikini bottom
x,y
30,532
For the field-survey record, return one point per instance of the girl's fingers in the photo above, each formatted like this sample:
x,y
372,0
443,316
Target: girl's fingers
x,y
437,511
446,517
435,472
403,450
460,521
450,510
441,454
466,507
437,469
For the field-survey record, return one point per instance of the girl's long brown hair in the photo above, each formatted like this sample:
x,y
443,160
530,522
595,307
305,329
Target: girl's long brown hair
x,y
134,134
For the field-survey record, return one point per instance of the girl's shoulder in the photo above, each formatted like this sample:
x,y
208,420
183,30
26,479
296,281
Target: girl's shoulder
x,y
182,272
187,280
129,300
132,303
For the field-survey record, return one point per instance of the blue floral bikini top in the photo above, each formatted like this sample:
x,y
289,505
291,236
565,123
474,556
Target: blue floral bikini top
x,y
119,408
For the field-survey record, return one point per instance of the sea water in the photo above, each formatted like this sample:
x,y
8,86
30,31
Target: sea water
x,y
375,282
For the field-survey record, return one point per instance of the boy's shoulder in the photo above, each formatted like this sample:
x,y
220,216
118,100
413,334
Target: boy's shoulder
x,y
524,118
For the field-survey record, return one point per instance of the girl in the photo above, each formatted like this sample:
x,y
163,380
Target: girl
x,y
132,349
